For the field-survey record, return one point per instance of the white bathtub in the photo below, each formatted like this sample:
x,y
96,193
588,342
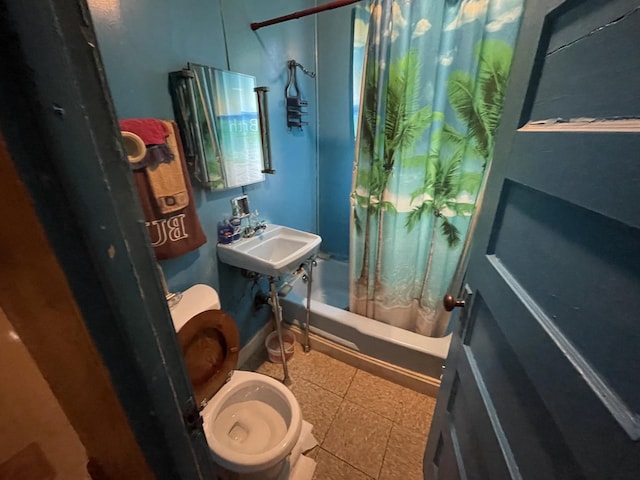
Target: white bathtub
x,y
330,319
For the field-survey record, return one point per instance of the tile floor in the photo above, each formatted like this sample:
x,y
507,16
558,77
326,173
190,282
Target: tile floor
x,y
367,427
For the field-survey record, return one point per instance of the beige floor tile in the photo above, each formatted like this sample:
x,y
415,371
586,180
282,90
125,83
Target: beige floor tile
x,y
319,406
259,362
332,468
416,411
376,394
314,367
324,371
359,437
272,369
403,458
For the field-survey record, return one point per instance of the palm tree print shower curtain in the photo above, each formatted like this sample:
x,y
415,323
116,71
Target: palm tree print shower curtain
x,y
434,79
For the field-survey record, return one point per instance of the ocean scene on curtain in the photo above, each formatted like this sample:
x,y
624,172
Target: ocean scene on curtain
x,y
433,86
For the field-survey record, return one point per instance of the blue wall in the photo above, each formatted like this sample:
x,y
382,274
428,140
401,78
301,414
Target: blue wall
x,y
142,41
290,196
335,129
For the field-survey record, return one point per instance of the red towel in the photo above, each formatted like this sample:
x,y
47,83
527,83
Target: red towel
x,y
175,233
150,130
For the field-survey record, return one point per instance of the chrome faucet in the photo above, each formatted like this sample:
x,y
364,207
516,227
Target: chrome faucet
x,y
259,226
255,227
252,230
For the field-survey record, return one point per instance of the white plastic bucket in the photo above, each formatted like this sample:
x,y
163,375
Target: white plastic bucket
x,y
273,346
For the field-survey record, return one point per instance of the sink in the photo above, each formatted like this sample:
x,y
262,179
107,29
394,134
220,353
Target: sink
x,y
275,251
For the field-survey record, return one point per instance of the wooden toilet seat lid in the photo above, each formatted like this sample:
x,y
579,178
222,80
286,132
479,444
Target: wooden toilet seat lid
x,y
210,345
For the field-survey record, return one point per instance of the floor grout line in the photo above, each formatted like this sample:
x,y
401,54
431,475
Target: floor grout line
x,y
368,410
351,382
386,448
335,415
310,380
344,461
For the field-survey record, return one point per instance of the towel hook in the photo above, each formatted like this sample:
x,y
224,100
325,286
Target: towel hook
x,y
306,71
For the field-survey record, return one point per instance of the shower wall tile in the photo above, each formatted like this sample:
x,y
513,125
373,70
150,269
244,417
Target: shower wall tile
x,y
377,394
403,457
359,437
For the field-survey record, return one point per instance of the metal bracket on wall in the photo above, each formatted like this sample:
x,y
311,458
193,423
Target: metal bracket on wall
x,y
295,103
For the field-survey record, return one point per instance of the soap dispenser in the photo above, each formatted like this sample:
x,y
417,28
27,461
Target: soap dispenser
x,y
225,231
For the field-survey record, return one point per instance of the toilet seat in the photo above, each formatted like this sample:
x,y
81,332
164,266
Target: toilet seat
x,y
210,345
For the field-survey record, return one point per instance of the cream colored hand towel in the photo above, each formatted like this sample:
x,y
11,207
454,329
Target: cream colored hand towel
x,y
167,179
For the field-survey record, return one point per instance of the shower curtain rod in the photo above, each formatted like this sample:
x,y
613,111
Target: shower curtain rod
x,y
303,13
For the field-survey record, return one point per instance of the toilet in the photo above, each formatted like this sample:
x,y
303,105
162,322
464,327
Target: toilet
x,y
251,421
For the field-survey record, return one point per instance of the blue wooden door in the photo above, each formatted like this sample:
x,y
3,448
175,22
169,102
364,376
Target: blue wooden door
x,y
543,377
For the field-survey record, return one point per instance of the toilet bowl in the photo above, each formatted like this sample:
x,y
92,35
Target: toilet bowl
x,y
251,421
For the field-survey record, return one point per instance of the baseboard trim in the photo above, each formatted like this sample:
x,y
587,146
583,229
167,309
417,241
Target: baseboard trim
x,y
402,376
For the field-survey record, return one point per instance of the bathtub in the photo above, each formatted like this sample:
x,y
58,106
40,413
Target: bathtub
x,y
331,320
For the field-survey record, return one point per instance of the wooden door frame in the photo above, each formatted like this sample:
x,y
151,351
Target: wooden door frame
x,y
62,139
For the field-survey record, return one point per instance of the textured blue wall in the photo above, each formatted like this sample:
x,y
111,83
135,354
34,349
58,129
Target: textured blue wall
x,y
335,130
142,41
290,196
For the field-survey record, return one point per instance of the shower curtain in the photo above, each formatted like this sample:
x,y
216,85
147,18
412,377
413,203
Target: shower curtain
x,y
433,83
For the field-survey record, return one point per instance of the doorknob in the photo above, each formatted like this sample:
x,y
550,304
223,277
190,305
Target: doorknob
x,y
450,302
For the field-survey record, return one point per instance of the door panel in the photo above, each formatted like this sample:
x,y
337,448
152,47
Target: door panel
x,y
540,382
587,65
595,254
447,460
533,437
574,20
583,168
476,442
488,455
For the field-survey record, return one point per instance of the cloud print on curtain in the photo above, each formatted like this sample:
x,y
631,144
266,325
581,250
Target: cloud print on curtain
x,y
435,75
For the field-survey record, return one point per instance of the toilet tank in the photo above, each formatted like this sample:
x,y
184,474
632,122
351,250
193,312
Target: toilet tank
x,y
194,300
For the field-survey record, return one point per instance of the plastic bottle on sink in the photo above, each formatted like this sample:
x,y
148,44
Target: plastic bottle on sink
x,y
225,231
